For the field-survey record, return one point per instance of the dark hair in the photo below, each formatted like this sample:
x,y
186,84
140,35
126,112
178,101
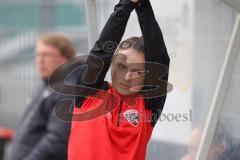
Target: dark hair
x,y
136,43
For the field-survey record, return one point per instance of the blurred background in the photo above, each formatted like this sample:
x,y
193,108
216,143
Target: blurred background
x,y
197,34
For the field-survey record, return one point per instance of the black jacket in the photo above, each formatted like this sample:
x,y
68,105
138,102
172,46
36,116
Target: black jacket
x,y
40,135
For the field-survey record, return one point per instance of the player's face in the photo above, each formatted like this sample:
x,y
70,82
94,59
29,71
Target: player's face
x,y
48,59
128,71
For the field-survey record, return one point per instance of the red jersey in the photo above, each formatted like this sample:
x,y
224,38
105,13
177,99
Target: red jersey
x,y
122,133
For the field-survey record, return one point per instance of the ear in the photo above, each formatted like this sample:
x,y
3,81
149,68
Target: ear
x,y
63,60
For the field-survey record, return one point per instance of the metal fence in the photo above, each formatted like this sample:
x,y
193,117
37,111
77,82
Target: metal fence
x,y
22,22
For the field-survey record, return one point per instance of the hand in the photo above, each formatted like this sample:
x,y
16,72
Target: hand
x,y
135,1
186,158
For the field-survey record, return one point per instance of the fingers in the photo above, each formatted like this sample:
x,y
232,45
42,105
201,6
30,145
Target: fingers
x,y
135,1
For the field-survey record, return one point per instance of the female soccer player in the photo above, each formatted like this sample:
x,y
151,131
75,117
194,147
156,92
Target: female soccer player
x,y
111,121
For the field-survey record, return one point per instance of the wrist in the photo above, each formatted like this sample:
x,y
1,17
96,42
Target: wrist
x,y
143,5
132,5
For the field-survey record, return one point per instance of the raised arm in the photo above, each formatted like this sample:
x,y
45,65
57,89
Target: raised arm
x,y
108,41
156,52
101,54
153,39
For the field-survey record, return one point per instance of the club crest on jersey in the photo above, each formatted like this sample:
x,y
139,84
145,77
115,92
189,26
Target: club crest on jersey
x,y
132,117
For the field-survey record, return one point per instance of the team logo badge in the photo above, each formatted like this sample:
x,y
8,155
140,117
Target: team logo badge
x,y
132,117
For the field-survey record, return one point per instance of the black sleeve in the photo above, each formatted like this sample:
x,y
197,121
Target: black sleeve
x,y
101,54
155,51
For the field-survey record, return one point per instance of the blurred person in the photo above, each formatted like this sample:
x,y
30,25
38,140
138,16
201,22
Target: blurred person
x,y
40,135
193,143
223,146
121,133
